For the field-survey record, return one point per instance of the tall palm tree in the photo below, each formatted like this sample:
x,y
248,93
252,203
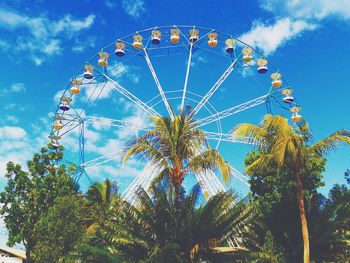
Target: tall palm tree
x,y
178,147
280,144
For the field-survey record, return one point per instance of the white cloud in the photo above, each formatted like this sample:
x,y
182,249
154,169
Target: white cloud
x,y
270,37
17,88
110,3
119,72
14,88
70,25
14,106
15,146
4,45
80,46
41,37
3,232
198,59
11,132
292,18
134,8
308,9
10,119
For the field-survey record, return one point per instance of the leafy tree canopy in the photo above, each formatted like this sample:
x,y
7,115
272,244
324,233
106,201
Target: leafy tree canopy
x,y
29,194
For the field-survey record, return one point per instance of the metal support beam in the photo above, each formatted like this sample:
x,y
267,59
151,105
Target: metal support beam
x,y
156,80
131,97
214,88
186,77
143,180
227,137
231,111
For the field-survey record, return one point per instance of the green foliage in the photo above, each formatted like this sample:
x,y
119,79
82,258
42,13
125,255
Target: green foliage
x,y
155,230
59,230
285,172
330,225
273,191
178,148
29,195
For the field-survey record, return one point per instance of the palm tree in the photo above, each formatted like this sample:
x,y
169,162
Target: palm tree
x,y
100,193
280,144
178,147
159,231
99,197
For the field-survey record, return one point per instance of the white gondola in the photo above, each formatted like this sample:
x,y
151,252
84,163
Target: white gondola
x,y
75,88
156,37
213,40
175,36
103,59
64,106
194,35
288,98
296,117
88,74
57,125
55,144
247,54
65,103
276,80
262,65
230,45
119,49
137,44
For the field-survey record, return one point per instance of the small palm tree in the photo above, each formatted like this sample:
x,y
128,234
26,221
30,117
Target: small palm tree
x,y
280,144
99,198
159,231
100,193
178,147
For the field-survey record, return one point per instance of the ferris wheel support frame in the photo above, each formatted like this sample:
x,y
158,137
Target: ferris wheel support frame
x,y
231,111
130,96
214,88
156,80
186,77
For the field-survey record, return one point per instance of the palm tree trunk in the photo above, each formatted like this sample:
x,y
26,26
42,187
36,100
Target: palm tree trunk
x,y
176,195
303,221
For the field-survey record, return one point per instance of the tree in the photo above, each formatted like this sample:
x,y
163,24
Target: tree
x,y
273,193
182,233
98,201
280,144
156,231
29,195
59,230
178,148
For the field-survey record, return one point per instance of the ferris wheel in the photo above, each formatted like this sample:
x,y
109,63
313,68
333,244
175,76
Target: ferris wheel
x,y
213,77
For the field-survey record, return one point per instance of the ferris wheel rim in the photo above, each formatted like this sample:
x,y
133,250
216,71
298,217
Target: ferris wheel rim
x,y
145,49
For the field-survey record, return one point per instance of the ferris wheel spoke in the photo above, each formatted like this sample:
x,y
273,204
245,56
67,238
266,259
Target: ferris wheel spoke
x,y
241,177
96,120
123,91
227,137
156,80
101,159
231,111
143,180
186,77
214,88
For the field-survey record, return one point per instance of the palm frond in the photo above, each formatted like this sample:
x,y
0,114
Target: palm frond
x,y
331,142
250,131
210,160
142,146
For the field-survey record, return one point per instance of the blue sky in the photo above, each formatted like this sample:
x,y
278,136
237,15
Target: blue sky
x,y
45,43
